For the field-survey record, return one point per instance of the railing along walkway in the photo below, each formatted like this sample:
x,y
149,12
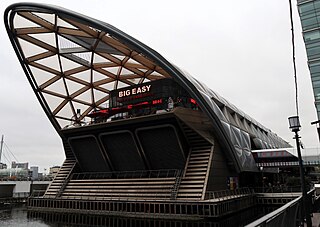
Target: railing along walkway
x,y
127,174
287,215
228,194
277,189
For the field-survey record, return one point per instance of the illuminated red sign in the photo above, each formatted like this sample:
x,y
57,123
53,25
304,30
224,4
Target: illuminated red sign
x,y
157,101
193,101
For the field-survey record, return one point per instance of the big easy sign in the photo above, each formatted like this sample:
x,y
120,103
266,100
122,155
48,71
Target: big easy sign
x,y
134,91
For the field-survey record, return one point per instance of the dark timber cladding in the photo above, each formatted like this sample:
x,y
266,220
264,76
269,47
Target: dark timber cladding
x,y
154,145
134,126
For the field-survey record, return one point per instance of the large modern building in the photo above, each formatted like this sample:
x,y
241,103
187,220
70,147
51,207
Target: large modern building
x,y
134,126
309,11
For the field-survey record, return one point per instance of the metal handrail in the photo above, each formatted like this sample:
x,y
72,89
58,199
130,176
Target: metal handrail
x,y
280,215
127,174
37,193
66,180
277,189
228,193
176,185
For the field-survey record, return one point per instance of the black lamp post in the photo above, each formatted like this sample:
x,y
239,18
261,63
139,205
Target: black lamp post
x,y
318,128
294,125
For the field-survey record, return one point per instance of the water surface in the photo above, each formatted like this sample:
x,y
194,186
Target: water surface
x,y
18,217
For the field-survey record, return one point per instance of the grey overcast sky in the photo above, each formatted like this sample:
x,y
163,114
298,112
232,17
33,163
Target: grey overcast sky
x,y
240,49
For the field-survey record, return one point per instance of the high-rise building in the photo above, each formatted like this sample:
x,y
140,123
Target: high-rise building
x,y
34,172
3,165
309,11
22,165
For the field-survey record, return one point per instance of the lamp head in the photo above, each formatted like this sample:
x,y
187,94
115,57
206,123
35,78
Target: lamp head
x,y
294,123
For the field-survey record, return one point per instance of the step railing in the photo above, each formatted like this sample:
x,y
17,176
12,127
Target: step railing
x,y
65,166
66,180
165,173
227,194
175,187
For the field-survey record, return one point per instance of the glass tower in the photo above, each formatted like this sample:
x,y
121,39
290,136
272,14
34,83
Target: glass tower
x,y
309,11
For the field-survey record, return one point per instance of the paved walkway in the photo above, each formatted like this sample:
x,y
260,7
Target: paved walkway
x,y
315,220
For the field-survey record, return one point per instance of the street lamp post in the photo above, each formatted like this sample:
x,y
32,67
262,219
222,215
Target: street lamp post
x,y
294,125
312,123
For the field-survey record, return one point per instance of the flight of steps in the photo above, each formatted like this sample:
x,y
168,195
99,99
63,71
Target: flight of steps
x,y
54,188
136,188
67,149
192,185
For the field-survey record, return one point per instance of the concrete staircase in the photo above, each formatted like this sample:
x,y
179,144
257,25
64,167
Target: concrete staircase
x,y
193,182
56,185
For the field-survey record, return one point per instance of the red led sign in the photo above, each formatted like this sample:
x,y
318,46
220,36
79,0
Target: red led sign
x,y
193,101
157,101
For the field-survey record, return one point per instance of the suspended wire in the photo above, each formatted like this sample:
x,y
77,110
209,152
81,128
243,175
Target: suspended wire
x,y
8,155
5,157
10,151
294,59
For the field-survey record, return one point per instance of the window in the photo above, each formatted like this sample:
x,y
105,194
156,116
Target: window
x,y
306,7
314,67
316,84
315,78
313,50
309,23
316,91
308,36
316,5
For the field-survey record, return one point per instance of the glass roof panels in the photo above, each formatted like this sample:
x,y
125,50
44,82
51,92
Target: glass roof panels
x,y
75,65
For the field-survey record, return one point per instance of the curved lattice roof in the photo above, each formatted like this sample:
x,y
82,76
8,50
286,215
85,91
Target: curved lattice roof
x,y
74,65
73,62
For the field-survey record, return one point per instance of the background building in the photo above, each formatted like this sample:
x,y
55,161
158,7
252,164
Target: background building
x,y
14,174
53,171
309,11
22,165
34,172
3,165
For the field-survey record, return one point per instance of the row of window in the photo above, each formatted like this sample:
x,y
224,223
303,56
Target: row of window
x,y
310,19
310,15
315,76
309,6
311,36
313,50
